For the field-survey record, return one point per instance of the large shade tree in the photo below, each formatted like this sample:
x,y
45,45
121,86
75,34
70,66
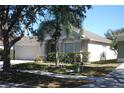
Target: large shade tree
x,y
63,18
14,22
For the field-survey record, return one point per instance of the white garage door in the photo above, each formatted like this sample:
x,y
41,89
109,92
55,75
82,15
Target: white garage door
x,y
26,52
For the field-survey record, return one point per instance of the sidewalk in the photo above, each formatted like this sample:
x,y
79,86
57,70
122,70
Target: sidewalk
x,y
113,80
61,75
16,62
14,85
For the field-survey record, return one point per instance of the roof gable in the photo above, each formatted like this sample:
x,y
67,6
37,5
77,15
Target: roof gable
x,y
88,35
77,34
94,37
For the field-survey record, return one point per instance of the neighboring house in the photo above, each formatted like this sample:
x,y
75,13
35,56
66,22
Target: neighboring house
x,y
120,39
29,47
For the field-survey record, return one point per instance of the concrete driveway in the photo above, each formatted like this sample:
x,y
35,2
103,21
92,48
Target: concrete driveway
x,y
16,62
113,80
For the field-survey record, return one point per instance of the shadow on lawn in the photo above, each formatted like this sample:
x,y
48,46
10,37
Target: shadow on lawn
x,y
41,81
114,80
87,70
96,71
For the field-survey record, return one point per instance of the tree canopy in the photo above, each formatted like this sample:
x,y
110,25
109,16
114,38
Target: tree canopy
x,y
112,35
63,18
15,20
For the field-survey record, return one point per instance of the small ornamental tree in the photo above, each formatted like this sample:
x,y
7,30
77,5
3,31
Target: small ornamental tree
x,y
112,35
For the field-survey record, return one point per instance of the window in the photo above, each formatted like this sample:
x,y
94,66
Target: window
x,y
71,47
68,47
77,47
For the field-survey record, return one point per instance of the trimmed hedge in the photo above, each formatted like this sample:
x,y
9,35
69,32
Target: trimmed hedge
x,y
39,59
69,57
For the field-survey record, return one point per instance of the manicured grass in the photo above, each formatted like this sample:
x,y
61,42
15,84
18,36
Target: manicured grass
x,y
89,69
101,68
41,81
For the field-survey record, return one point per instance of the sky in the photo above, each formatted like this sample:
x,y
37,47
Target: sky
x,y
101,18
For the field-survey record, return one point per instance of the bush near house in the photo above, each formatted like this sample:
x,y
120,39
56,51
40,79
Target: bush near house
x,y
69,57
39,59
85,56
51,56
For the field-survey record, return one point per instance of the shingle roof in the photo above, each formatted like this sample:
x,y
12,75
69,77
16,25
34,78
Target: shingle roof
x,y
87,35
94,37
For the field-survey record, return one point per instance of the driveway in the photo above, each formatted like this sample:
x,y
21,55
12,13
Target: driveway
x,y
113,80
16,62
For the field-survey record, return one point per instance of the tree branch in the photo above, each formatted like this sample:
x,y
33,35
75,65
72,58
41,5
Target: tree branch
x,y
15,18
15,40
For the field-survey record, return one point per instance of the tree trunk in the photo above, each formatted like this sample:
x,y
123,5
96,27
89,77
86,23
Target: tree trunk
x,y
57,53
6,55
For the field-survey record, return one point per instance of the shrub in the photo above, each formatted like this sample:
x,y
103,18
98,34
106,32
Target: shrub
x,y
39,59
71,57
85,56
68,57
51,56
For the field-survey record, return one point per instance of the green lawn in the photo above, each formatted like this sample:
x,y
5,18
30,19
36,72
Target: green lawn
x,y
91,69
41,81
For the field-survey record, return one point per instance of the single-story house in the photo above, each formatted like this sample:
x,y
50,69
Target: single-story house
x,y
120,39
29,47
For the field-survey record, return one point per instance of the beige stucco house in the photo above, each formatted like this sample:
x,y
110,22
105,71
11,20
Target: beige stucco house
x,y
29,47
120,39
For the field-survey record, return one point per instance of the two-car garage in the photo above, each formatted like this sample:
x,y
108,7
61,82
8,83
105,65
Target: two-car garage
x,y
28,49
26,52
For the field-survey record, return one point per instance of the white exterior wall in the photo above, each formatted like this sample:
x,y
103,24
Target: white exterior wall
x,y
110,54
30,48
97,49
